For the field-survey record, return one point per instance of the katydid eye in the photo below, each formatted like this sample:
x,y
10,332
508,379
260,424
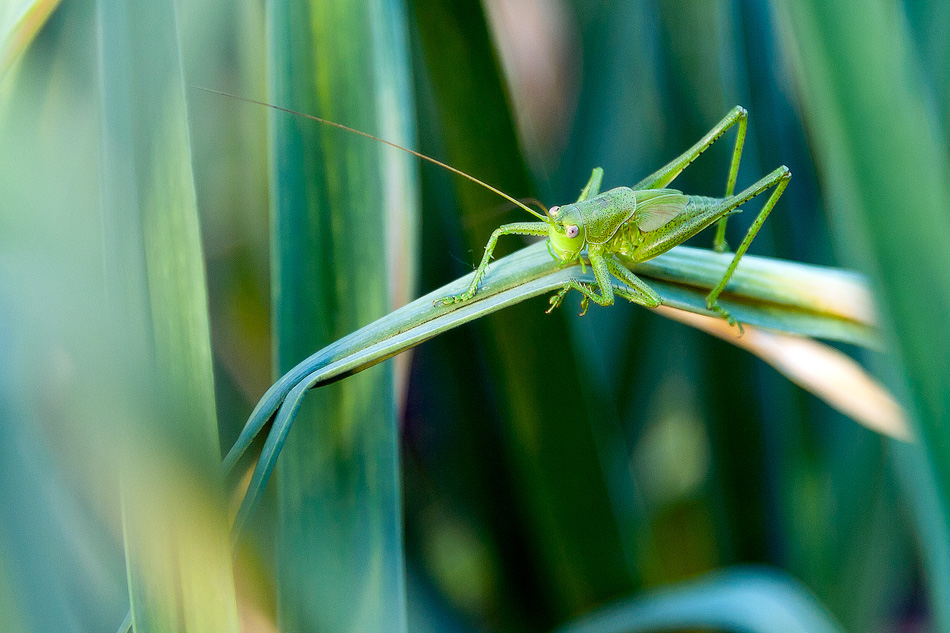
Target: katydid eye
x,y
571,230
553,211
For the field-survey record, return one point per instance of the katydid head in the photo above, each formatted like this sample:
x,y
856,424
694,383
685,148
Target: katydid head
x,y
567,232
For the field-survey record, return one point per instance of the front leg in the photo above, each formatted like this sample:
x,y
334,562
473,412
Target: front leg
x,y
516,228
606,297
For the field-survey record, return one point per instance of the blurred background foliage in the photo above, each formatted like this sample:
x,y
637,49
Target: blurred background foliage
x,y
510,475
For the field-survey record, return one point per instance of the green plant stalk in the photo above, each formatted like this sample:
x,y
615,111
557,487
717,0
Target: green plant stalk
x,y
545,440
801,307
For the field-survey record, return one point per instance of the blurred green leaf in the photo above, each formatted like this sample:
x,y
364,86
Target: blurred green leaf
x,y
743,600
573,540
863,95
338,201
20,21
177,551
61,560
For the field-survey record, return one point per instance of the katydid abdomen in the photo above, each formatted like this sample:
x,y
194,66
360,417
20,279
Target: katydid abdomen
x,y
700,213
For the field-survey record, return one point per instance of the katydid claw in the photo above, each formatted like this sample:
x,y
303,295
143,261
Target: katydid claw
x,y
585,303
556,299
723,313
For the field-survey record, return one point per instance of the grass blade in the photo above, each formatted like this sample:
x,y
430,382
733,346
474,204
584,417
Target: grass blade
x,y
531,272
523,275
58,549
546,439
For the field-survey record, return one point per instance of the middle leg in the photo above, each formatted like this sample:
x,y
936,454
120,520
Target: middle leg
x,y
606,297
516,228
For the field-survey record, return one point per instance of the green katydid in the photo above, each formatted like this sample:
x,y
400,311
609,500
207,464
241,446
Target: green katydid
x,y
639,222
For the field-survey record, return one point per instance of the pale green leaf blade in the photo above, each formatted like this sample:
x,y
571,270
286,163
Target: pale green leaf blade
x,y
177,550
525,274
881,152
795,298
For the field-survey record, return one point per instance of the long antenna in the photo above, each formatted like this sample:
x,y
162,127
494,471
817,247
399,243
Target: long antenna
x,y
381,140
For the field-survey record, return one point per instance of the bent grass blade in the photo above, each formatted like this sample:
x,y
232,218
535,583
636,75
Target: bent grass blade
x,y
821,369
786,297
795,303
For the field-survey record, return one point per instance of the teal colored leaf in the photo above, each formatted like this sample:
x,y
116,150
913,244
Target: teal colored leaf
x,y
880,151
743,600
342,210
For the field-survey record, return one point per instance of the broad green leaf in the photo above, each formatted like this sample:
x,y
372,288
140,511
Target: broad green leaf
x,y
342,220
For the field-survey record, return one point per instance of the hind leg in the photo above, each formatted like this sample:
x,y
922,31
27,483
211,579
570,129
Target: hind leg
x,y
637,290
666,174
601,273
778,179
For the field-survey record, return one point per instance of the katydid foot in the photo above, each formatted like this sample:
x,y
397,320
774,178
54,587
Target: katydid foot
x,y
713,306
453,299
